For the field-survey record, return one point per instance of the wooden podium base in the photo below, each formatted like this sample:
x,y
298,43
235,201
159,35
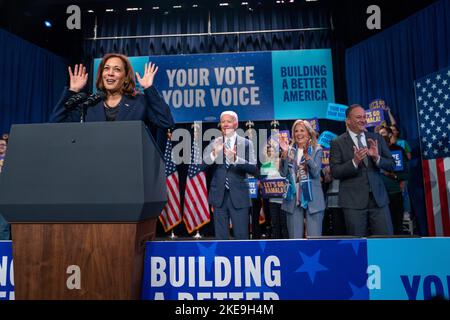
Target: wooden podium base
x,y
66,261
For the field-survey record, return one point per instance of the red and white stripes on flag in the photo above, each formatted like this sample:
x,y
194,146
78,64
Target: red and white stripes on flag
x,y
170,217
196,207
171,214
436,174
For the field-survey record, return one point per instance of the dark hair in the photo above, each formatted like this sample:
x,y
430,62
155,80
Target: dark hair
x,y
389,130
129,87
395,126
349,110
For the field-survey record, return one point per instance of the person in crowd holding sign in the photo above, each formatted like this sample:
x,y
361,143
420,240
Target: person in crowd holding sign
x,y
270,170
356,158
120,100
395,180
301,164
231,158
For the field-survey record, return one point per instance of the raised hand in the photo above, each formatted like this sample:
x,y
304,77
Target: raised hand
x,y
78,78
373,148
359,154
149,74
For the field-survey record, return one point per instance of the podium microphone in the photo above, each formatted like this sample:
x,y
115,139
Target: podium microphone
x,y
94,99
75,100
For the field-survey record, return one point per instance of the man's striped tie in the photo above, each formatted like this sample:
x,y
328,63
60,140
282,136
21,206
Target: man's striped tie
x,y
227,163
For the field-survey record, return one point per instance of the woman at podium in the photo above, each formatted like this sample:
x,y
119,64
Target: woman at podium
x,y
117,98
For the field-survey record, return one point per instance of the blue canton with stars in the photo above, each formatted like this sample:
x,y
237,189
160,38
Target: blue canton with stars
x,y
433,107
309,270
170,165
194,167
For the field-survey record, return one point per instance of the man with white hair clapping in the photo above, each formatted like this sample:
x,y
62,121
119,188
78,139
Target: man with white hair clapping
x,y
230,158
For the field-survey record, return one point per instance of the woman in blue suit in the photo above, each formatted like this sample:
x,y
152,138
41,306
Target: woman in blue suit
x,y
116,78
301,164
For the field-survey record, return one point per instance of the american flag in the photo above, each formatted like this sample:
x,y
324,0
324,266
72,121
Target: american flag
x,y
196,207
433,107
171,214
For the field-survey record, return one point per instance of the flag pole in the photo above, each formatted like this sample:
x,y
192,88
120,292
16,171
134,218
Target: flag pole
x,y
173,236
197,235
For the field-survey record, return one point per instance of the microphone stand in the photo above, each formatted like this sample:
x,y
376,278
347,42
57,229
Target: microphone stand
x,y
82,112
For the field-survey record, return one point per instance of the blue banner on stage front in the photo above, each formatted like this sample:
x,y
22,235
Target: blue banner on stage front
x,y
322,269
409,269
263,85
332,269
6,271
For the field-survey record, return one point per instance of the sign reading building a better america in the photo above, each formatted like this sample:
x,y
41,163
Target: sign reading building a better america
x,y
256,85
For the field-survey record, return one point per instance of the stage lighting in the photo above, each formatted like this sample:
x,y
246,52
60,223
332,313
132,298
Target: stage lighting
x,y
47,23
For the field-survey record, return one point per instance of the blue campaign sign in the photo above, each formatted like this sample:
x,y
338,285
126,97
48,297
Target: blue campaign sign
x,y
302,83
377,103
200,87
409,269
269,270
336,111
290,84
398,158
374,117
6,271
314,123
253,187
325,139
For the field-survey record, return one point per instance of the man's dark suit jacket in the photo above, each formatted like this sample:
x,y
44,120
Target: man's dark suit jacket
x,y
237,173
356,183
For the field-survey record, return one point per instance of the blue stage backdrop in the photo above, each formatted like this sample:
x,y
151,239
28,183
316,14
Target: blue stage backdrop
x,y
257,85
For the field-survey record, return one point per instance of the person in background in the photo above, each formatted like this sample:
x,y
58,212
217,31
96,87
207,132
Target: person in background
x,y
270,169
231,158
301,164
333,212
395,182
5,229
401,142
356,158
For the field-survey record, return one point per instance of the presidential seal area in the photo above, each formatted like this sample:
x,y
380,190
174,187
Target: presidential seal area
x,y
245,309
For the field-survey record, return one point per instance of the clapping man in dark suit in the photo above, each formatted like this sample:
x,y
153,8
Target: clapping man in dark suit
x,y
230,157
356,158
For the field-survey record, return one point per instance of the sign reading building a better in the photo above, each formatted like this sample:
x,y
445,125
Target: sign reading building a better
x,y
257,85
248,270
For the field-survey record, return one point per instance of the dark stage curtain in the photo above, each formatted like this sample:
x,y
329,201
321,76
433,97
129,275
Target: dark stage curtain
x,y
386,66
196,21
31,81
